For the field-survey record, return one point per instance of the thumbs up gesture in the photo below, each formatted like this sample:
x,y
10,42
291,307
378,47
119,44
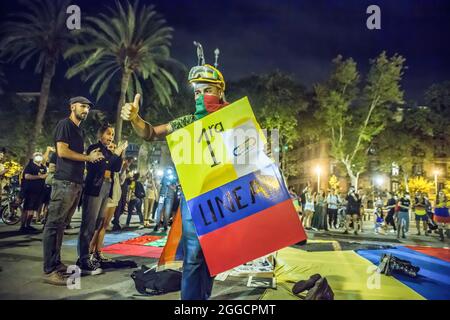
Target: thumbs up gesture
x,y
130,110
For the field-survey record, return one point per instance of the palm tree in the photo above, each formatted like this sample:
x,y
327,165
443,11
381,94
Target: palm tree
x,y
132,43
38,33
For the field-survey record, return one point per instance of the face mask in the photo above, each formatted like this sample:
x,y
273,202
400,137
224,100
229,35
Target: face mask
x,y
407,197
206,104
38,158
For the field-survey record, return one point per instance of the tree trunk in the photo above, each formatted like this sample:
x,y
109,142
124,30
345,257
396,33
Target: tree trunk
x,y
405,180
123,91
42,107
353,177
143,155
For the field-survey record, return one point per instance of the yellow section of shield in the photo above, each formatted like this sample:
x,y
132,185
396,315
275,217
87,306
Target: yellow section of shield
x,y
198,151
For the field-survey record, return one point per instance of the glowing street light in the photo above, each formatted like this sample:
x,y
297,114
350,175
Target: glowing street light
x,y
436,173
379,180
318,171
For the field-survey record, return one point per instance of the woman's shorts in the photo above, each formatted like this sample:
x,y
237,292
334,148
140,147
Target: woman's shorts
x,y
46,195
33,201
423,217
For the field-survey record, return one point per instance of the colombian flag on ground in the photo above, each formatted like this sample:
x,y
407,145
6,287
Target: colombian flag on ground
x,y
236,194
353,275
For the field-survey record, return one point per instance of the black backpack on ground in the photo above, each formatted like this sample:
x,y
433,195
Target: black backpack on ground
x,y
150,282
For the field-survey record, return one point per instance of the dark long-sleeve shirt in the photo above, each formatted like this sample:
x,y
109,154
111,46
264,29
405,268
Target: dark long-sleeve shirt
x,y
96,171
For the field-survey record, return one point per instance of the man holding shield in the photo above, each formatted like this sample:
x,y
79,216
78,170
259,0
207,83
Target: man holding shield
x,y
209,86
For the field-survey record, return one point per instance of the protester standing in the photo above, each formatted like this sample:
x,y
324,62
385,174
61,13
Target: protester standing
x,y
420,213
353,209
136,196
390,207
332,208
67,186
34,173
404,205
97,190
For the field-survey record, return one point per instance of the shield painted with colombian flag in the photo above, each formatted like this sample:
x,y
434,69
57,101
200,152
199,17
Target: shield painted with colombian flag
x,y
236,195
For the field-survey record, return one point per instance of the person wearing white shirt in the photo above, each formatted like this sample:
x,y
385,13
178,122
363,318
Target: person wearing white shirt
x,y
333,202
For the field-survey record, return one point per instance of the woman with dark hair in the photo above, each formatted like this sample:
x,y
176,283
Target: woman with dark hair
x,y
111,206
97,190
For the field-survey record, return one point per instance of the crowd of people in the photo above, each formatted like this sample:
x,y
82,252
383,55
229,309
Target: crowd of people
x,y
391,212
100,181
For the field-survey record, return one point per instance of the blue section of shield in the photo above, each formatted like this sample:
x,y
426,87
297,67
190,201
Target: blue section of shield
x,y
238,199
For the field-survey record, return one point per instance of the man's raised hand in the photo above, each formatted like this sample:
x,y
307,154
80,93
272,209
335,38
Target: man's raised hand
x,y
130,110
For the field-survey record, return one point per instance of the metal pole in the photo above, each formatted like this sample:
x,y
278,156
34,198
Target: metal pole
x,y
436,183
318,182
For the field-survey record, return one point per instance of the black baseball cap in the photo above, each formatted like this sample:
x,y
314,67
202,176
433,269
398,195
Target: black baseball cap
x,y
80,99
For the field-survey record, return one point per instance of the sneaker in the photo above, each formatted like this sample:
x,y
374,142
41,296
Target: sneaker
x,y
314,229
141,226
101,258
89,267
61,267
356,232
56,278
32,229
346,232
116,227
24,230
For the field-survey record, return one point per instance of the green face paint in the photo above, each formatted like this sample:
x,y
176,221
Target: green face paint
x,y
200,108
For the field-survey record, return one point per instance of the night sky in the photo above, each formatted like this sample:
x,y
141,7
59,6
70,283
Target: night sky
x,y
298,37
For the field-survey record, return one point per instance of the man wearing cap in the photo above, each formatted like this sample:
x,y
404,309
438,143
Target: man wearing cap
x,y
67,186
209,86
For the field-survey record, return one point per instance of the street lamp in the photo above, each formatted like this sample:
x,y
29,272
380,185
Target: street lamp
x,y
436,173
318,171
379,181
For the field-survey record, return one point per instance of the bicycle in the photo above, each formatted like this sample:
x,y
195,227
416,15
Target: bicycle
x,y
11,208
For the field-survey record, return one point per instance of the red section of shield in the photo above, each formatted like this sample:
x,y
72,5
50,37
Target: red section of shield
x,y
258,235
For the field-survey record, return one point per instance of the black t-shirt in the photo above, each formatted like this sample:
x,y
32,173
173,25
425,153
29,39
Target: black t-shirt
x,y
404,202
66,131
353,203
391,202
37,185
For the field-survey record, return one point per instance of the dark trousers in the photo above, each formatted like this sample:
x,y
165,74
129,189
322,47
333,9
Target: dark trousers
x,y
135,203
120,207
64,200
332,217
91,219
196,282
